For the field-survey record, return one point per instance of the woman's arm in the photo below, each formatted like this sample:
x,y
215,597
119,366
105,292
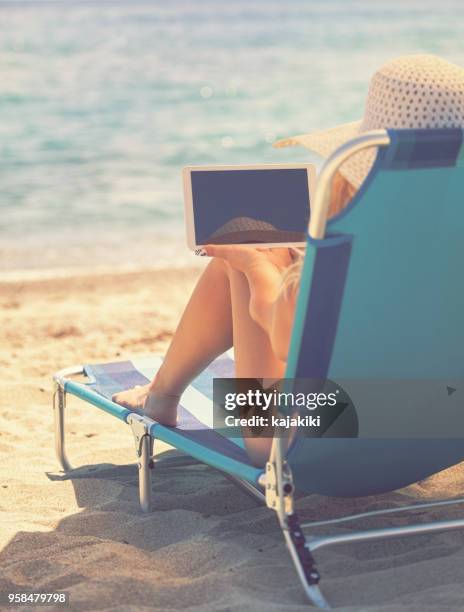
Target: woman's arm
x,y
283,314
264,281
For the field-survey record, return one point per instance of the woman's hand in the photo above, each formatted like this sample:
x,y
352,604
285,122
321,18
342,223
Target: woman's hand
x,y
246,259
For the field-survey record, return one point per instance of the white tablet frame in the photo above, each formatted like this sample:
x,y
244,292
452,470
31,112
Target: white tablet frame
x,y
188,198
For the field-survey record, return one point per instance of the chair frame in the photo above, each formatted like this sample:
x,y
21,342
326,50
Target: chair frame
x,y
276,480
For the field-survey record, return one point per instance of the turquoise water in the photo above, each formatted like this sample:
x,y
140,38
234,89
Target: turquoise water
x,y
102,103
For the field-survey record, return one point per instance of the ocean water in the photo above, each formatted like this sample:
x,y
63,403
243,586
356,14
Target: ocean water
x,y
102,103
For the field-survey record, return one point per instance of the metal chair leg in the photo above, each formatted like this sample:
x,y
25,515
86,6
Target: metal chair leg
x,y
144,448
303,561
279,497
59,405
279,488
145,465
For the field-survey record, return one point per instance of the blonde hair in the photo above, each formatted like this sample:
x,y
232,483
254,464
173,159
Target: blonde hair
x,y
341,194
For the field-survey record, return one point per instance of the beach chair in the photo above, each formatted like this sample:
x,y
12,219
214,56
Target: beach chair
x,y
381,296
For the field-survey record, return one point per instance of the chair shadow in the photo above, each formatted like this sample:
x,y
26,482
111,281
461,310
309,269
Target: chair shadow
x,y
111,471
168,482
185,506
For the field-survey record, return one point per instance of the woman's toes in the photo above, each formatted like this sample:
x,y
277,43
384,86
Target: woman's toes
x,y
132,398
118,398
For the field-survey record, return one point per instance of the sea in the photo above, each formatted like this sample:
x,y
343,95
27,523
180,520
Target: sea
x,y
103,102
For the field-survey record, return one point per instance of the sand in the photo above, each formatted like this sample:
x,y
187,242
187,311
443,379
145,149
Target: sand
x,y
206,546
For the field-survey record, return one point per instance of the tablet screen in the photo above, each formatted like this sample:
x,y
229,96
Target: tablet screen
x,y
250,206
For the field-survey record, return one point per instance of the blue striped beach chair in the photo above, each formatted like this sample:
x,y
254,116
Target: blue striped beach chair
x,y
380,297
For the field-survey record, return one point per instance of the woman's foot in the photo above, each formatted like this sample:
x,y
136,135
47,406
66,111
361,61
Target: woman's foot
x,y
161,407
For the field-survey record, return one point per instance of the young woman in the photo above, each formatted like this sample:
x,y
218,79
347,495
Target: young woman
x,y
246,297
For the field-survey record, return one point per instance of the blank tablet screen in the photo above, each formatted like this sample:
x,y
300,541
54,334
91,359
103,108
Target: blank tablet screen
x,y
250,206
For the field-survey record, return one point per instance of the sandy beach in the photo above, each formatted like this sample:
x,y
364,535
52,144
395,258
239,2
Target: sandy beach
x,y
206,546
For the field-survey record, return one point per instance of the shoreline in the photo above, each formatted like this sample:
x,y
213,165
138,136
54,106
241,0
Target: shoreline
x,y
70,252
18,275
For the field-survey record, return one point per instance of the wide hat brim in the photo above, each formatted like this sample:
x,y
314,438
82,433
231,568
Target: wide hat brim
x,y
325,142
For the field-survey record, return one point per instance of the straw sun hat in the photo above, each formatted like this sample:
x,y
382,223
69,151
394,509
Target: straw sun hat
x,y
412,91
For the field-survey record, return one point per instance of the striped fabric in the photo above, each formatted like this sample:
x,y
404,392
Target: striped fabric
x,y
415,149
194,433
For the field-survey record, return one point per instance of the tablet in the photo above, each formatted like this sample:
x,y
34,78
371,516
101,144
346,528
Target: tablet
x,y
266,205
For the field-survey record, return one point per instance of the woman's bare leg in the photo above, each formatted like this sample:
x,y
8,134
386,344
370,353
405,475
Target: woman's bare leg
x,y
254,357
217,315
203,333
